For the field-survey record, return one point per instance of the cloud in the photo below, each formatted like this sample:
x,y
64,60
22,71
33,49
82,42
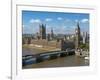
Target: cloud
x,y
84,20
48,19
35,21
59,18
76,20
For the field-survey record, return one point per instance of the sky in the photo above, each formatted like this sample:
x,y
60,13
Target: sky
x,y
60,22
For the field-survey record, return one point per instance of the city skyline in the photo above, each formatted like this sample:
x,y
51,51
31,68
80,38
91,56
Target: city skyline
x,y
60,22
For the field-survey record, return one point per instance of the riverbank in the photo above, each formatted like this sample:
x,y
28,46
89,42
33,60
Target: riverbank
x,y
38,48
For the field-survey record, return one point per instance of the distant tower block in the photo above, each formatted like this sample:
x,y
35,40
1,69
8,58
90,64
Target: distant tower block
x,y
77,36
84,37
42,31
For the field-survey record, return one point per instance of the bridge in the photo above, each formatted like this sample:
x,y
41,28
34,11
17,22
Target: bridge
x,y
37,58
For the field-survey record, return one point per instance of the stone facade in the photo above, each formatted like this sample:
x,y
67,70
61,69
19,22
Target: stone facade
x,y
67,45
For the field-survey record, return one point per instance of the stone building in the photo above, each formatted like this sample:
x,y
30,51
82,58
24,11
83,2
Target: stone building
x,y
42,28
48,37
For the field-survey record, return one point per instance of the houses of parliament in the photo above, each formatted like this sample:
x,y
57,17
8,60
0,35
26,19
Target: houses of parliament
x,y
53,40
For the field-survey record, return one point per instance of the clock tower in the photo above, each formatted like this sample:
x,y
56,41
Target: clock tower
x,y
77,36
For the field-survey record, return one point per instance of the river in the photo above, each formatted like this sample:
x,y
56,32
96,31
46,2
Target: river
x,y
68,61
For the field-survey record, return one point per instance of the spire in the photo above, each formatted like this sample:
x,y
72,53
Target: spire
x,y
78,27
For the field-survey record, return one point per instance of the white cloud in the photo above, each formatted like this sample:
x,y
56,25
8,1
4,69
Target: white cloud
x,y
48,19
84,20
59,18
76,20
35,21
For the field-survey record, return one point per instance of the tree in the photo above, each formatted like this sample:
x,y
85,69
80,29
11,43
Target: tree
x,y
84,46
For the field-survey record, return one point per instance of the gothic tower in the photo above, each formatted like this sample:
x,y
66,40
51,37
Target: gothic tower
x,y
77,36
42,31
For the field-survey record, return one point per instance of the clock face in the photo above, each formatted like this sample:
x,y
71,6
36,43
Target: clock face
x,y
76,31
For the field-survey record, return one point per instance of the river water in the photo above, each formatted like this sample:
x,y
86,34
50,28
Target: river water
x,y
68,61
